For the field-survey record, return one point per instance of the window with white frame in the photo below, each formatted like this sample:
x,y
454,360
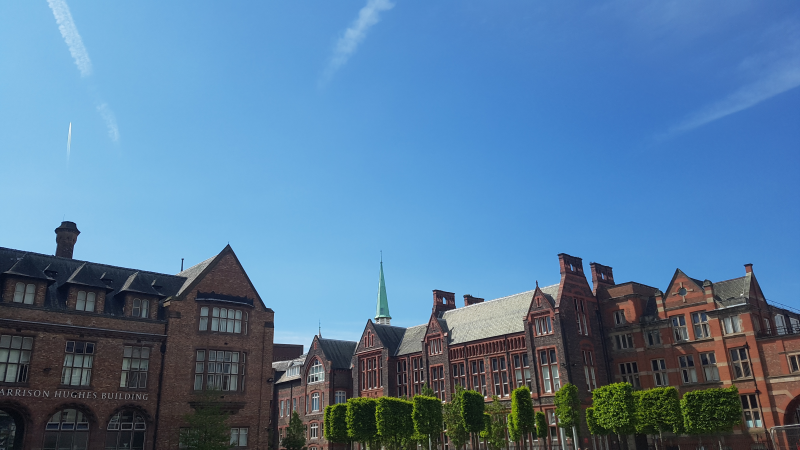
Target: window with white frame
x,y
630,373
780,324
239,437
660,376
85,301
140,308
500,376
478,370
679,328
293,371
316,373
700,322
314,431
588,370
550,376
543,325
752,415
125,430
24,293
223,320
67,429
294,404
580,317
283,405
688,370
522,370
709,363
795,325
15,358
653,337
740,362
794,363
619,318
624,341
78,359
340,397
135,362
767,326
315,402
732,324
223,370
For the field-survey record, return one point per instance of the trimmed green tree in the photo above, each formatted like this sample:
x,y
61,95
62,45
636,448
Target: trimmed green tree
x,y
658,410
427,418
208,425
472,412
361,425
336,423
591,424
453,420
521,417
541,426
295,438
711,411
568,408
615,409
496,433
393,420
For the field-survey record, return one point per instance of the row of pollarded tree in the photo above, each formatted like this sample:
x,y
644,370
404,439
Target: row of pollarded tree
x,y
618,409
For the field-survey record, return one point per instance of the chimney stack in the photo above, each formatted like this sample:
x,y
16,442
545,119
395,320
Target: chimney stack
x,y
601,275
66,236
748,268
470,300
443,301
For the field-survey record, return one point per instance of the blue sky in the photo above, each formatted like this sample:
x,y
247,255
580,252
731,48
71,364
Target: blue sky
x,y
470,141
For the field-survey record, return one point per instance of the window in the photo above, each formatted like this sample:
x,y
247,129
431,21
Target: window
x,y
740,362
688,371
588,370
224,320
679,328
479,377
78,358
660,376
135,361
549,363
794,363
67,429
85,301
293,371
653,337
795,325
732,324
224,370
543,325
780,324
459,376
24,293
700,321
522,370
283,404
418,369
624,341
402,378
580,316
294,404
125,430
239,437
15,358
709,363
435,347
340,397
552,424
314,431
437,381
619,318
500,376
752,416
140,308
767,326
630,373
316,373
369,339
306,404
371,376
315,402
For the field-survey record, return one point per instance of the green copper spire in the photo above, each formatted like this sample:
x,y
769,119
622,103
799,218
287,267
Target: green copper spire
x,y
382,316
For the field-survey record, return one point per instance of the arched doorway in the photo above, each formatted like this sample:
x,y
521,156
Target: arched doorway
x,y
12,430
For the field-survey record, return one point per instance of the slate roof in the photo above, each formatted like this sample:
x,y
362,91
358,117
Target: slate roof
x,y
339,353
192,273
412,340
550,292
299,361
390,336
737,289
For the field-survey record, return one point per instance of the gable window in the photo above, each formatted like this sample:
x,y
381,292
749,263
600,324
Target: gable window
x,y
752,416
740,362
371,376
679,328
543,325
624,341
125,430
85,301
223,320
435,347
688,371
78,359
316,373
549,363
340,397
732,324
619,318
135,361
522,370
437,381
701,329
224,370
479,377
140,308
24,293
660,376
630,373
500,376
15,358
653,337
459,376
709,363
588,370
315,402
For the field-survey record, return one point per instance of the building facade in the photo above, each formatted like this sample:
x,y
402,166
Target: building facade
x,y
94,356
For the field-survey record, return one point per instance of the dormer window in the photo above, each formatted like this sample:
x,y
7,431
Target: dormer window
x,y
86,301
140,308
24,293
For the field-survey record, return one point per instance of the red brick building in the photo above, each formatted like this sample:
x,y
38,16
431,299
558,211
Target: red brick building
x,y
94,356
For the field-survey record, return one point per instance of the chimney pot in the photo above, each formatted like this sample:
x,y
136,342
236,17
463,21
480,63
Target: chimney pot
x,y
66,236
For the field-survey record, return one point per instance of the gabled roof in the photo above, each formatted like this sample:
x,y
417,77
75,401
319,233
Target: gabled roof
x,y
299,361
339,353
737,288
26,267
412,340
390,336
85,275
141,285
550,293
488,319
192,273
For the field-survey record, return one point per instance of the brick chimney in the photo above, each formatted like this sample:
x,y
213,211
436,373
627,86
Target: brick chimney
x,y
443,301
748,268
66,236
470,300
601,275
570,264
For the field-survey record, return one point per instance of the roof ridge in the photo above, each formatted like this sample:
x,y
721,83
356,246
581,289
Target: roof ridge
x,y
731,279
489,301
337,340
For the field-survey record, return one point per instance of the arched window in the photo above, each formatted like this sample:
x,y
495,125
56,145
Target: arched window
x,y
67,429
125,430
316,373
11,430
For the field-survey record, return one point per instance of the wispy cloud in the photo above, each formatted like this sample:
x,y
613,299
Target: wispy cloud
x,y
111,121
70,33
354,35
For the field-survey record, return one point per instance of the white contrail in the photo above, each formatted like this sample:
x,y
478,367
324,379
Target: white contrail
x,y
71,36
69,139
111,121
348,43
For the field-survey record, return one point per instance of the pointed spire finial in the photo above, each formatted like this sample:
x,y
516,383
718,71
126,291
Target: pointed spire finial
x,y
320,329
382,315
537,283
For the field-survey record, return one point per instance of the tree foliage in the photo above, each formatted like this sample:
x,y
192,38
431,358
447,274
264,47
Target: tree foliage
x,y
295,438
454,421
208,428
614,408
567,406
361,424
591,423
496,431
427,416
521,421
541,425
472,410
336,423
393,417
710,411
658,410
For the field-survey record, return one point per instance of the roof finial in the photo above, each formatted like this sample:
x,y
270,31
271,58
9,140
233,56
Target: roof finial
x,y
320,329
537,283
382,315
381,256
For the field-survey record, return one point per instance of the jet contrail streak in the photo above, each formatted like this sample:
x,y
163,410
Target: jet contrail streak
x,y
69,140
